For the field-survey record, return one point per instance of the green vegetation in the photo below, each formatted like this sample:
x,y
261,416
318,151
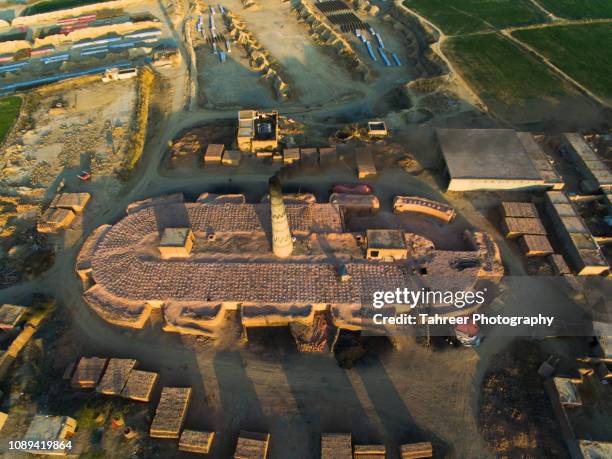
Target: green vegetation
x,y
456,17
497,69
47,6
584,52
9,110
578,9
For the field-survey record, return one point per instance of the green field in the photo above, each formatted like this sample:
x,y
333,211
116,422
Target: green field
x,y
499,70
9,109
47,6
584,52
456,17
577,9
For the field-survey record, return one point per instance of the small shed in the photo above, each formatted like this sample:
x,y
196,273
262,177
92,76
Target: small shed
x,y
88,372
194,441
336,446
115,376
252,445
139,385
214,153
386,245
231,158
10,315
567,392
291,155
416,450
170,413
534,246
50,429
327,155
365,163
176,243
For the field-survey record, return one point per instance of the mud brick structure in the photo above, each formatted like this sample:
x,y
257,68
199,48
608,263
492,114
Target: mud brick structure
x,y
252,445
115,376
232,266
336,446
88,372
416,450
170,413
139,385
423,206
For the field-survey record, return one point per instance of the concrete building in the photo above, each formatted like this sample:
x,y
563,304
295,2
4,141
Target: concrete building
x,y
488,159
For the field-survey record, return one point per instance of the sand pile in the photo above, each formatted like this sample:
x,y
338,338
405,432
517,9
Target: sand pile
x,y
259,58
325,35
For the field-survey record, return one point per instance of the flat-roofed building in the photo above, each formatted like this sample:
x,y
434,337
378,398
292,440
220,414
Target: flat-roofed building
x,y
487,159
386,245
365,162
252,445
214,153
176,243
51,430
10,315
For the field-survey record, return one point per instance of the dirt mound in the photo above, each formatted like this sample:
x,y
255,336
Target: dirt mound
x,y
325,35
515,415
259,58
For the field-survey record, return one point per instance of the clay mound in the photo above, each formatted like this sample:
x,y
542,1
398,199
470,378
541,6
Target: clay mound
x,y
259,58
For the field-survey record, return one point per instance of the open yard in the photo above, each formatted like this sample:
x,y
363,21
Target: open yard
x,y
9,109
578,9
457,17
582,51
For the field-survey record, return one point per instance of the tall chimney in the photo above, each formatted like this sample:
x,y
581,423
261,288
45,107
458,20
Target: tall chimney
x,y
282,244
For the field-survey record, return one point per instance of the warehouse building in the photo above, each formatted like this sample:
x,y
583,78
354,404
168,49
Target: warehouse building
x,y
493,159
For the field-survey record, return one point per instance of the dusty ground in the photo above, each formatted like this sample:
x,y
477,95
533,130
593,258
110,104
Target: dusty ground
x,y
406,395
